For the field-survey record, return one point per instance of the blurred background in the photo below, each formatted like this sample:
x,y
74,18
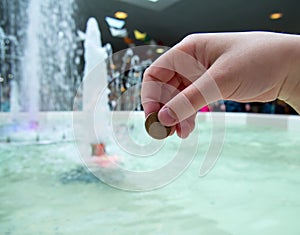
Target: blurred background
x,y
42,49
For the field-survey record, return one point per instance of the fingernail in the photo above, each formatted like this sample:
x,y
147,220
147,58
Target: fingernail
x,y
167,117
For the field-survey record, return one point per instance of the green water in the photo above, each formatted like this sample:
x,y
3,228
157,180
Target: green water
x,y
253,189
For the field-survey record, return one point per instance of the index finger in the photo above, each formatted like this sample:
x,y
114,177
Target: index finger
x,y
156,89
173,70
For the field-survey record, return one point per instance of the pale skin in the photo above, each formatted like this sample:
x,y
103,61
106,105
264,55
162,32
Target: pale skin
x,y
204,68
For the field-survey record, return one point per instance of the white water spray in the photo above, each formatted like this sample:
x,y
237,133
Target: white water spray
x,y
31,62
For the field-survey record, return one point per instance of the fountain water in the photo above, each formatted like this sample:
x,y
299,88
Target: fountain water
x,y
94,55
42,72
14,100
50,73
31,65
94,89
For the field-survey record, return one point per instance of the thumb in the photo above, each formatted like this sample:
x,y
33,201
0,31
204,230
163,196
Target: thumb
x,y
186,103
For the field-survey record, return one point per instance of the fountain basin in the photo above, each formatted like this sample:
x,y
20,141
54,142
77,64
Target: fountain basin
x,y
253,188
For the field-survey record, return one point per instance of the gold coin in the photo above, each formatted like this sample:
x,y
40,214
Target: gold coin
x,y
155,129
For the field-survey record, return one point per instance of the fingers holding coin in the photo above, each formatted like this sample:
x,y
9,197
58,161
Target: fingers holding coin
x,y
155,129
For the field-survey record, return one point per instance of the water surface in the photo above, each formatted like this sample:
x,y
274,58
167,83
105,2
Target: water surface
x,y
253,189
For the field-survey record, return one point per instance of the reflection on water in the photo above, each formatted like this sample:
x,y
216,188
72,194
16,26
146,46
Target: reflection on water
x,y
254,189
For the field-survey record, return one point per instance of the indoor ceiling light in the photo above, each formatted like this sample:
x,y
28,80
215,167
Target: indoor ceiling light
x,y
153,0
138,35
121,33
115,23
121,15
275,16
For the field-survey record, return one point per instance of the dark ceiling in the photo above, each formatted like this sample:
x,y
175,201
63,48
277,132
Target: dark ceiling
x,y
171,20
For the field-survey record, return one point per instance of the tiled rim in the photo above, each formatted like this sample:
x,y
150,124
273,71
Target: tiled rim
x,y
286,122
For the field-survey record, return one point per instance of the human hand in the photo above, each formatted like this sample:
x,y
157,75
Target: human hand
x,y
204,68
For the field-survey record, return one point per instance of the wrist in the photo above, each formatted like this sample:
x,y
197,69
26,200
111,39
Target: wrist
x,y
290,89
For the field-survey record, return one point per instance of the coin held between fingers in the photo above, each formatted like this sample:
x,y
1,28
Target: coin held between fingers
x,y
155,129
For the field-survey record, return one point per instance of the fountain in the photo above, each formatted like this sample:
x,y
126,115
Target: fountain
x,y
48,83
40,68
94,91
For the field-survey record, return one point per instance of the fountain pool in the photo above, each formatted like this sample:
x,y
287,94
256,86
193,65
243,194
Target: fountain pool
x,y
253,188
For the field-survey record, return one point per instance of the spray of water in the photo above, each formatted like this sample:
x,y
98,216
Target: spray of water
x,y
31,64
